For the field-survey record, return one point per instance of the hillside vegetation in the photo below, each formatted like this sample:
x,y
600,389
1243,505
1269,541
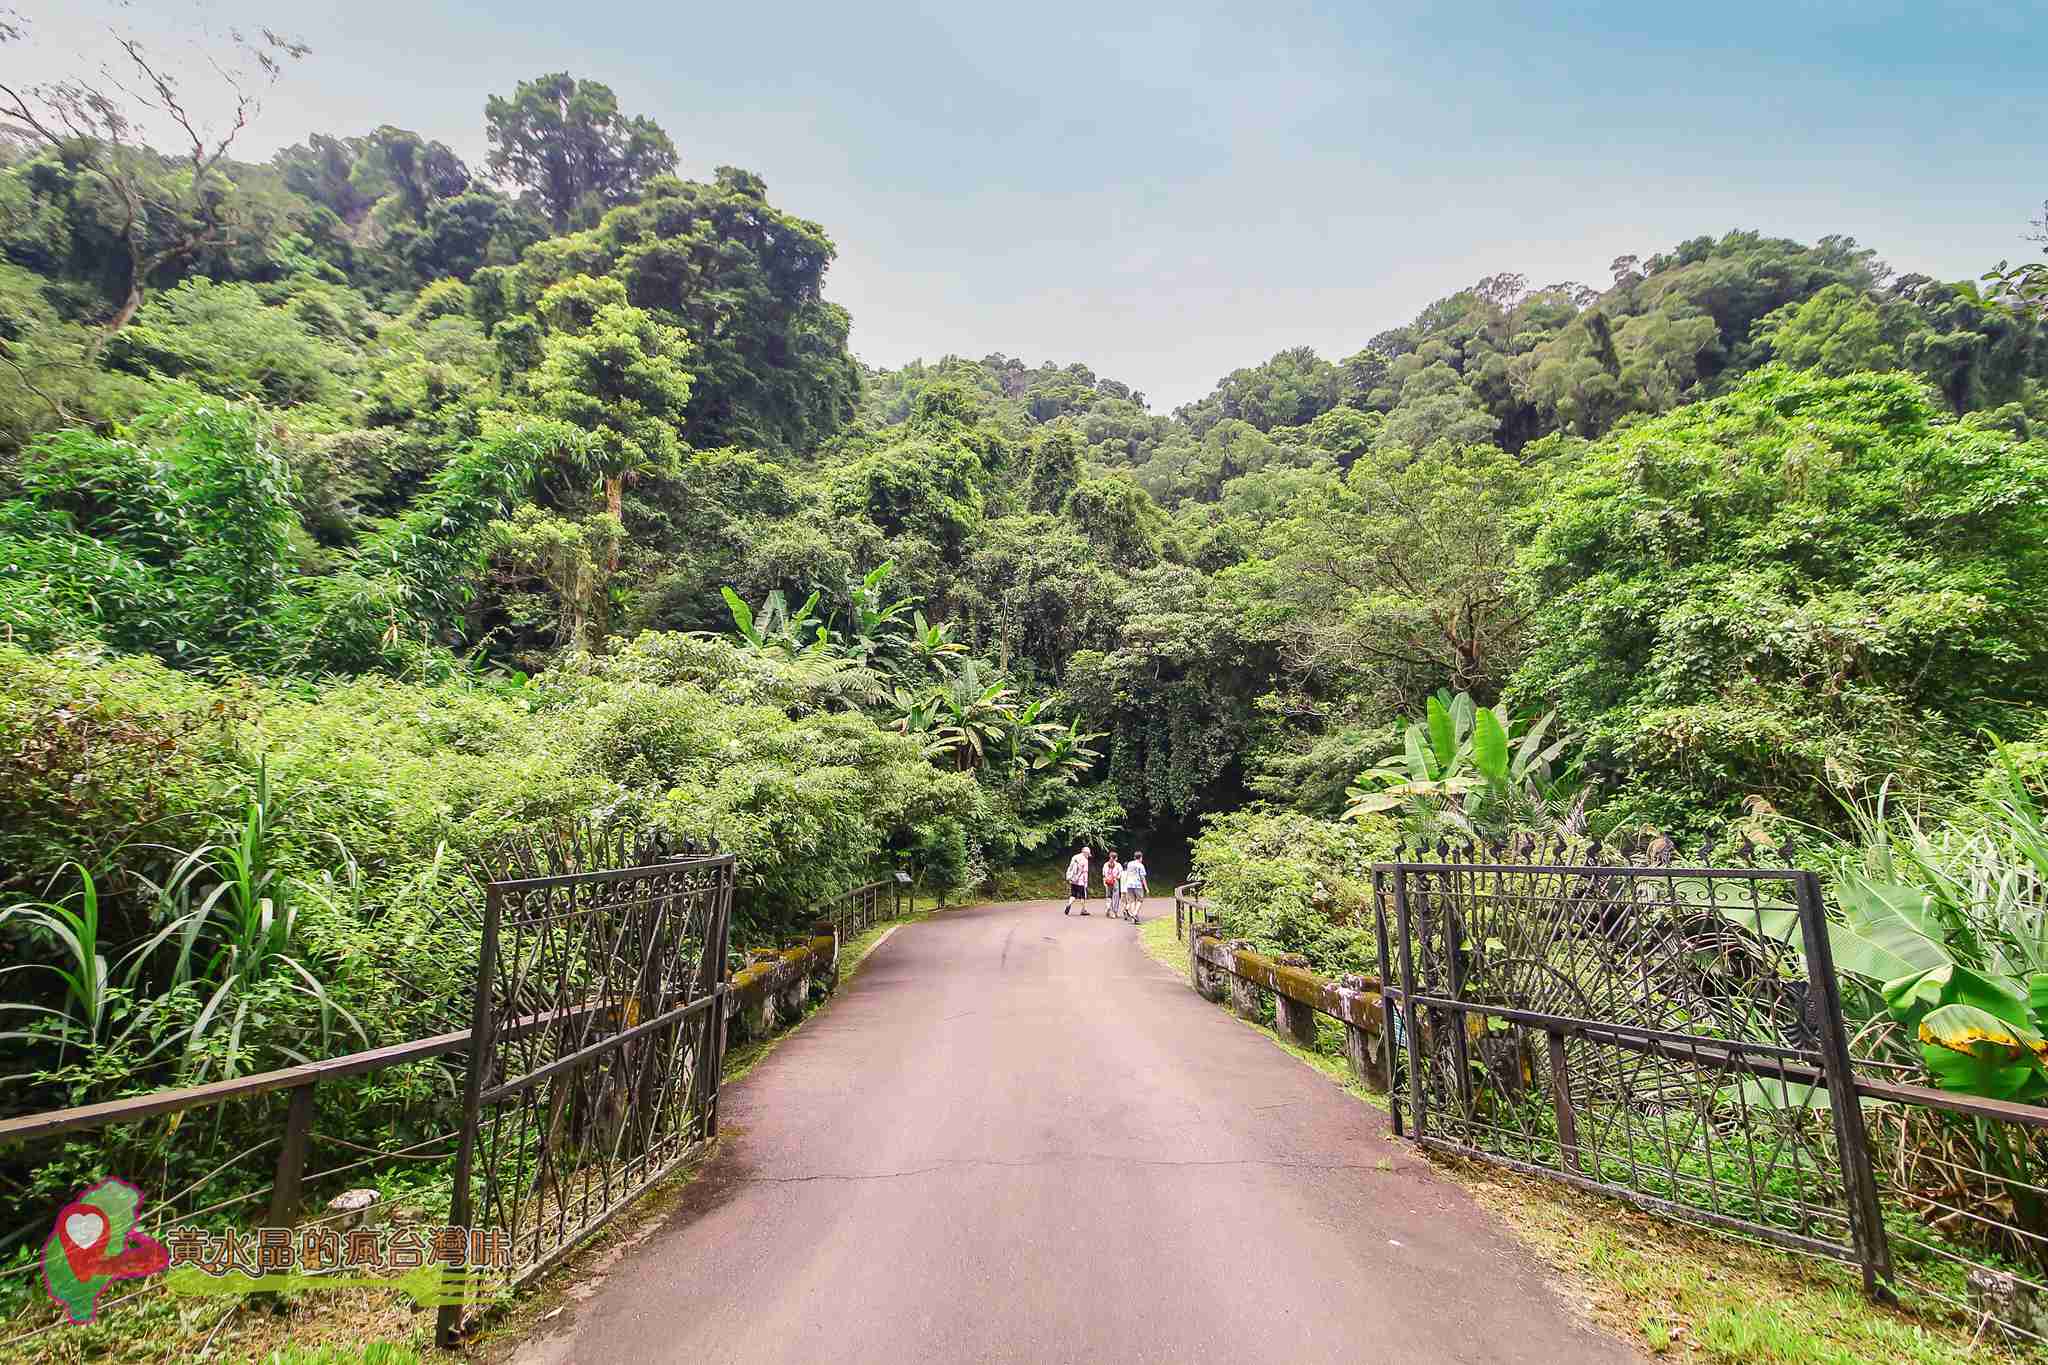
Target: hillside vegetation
x,y
387,506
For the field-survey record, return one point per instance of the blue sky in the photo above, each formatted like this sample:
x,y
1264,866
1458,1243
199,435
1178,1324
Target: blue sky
x,y
1168,194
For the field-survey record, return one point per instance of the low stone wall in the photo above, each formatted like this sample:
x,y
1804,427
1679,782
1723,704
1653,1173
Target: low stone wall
x,y
1229,970
771,990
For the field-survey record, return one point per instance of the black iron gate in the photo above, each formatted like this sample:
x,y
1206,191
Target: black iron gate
x,y
594,1071
1669,1035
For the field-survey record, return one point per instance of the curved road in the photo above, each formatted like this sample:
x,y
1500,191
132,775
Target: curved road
x,y
1015,1136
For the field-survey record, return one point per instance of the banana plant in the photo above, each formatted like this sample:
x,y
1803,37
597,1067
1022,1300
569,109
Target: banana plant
x,y
875,626
976,715
1026,733
1950,934
1460,763
1978,1031
932,648
1068,752
775,626
918,717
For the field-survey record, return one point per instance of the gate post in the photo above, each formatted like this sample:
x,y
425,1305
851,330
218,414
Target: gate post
x,y
291,1158
1561,1100
448,1320
1450,915
714,1032
1409,1033
1389,1038
1866,1222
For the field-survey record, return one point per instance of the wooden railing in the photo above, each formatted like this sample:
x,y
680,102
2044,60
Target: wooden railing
x,y
1226,971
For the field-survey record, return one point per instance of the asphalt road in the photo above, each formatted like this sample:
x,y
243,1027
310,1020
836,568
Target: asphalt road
x,y
1015,1136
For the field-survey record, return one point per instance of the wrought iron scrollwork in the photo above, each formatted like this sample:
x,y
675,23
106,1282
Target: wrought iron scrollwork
x,y
1632,1023
598,1027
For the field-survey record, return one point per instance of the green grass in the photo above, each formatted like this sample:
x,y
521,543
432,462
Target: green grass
x,y
1156,935
1684,1294
372,1353
1037,881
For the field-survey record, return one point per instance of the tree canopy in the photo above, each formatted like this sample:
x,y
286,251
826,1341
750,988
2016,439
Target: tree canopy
x,y
565,141
565,460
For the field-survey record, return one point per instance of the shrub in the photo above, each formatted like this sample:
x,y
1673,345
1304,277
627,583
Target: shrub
x,y
1293,883
1809,583
171,535
226,339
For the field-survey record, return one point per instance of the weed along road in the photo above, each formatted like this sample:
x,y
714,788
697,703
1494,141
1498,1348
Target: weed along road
x,y
1016,1136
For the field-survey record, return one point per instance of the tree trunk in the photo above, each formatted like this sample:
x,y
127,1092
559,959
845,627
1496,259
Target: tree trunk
x,y
615,503
130,306
123,315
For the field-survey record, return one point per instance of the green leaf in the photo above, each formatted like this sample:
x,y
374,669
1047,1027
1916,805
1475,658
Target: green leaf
x,y
2037,996
1768,1092
1372,803
1417,754
742,616
1957,985
1890,933
1490,747
1526,752
1462,707
1443,740
1781,926
1972,1050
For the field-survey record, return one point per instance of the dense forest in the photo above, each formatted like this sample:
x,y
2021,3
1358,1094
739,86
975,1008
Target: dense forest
x,y
361,507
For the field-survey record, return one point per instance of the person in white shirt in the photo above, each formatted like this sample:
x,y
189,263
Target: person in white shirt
x,y
1077,879
1112,881
1135,885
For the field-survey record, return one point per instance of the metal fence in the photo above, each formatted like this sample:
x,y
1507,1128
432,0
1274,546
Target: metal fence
x,y
612,957
600,997
220,1153
857,911
1676,1036
1966,1183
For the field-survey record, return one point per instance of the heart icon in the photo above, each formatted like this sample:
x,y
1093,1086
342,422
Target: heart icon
x,y
82,1235
85,1230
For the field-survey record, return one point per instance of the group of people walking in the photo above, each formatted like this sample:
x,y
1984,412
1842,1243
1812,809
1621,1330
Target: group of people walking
x,y
1124,885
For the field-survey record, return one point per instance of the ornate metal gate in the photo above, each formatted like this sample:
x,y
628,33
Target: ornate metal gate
x,y
1669,1035
597,1037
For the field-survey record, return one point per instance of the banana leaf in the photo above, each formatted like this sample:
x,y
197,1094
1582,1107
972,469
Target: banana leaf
x,y
1970,1049
1490,747
1891,933
1443,737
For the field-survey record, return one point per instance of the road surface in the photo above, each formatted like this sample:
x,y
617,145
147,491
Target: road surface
x,y
1015,1136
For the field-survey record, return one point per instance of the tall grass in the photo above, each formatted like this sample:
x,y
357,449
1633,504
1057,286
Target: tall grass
x,y
226,940
1984,868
